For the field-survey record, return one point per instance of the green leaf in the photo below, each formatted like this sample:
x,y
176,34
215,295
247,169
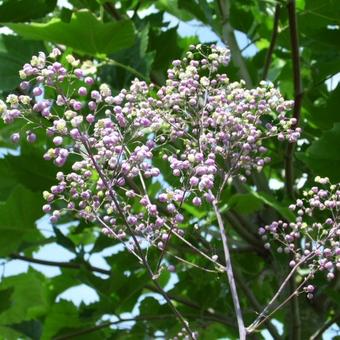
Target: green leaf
x,y
32,328
149,306
17,217
85,33
323,156
199,9
5,298
130,63
272,202
325,116
28,169
172,7
14,53
28,299
245,203
62,315
64,240
25,10
193,211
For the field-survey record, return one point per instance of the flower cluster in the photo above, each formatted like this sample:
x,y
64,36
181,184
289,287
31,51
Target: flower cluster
x,y
313,239
204,128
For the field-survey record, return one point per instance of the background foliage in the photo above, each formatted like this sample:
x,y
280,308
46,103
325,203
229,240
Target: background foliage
x,y
133,38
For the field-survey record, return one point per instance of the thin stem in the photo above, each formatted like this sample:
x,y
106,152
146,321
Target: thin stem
x,y
295,293
254,302
230,275
128,68
191,246
329,323
264,313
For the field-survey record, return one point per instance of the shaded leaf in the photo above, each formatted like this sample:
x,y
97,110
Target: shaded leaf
x,y
14,53
17,217
25,10
85,33
323,156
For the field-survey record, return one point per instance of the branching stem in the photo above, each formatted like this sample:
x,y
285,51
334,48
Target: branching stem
x,y
135,240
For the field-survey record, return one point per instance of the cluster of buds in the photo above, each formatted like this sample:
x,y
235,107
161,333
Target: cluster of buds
x,y
313,239
204,128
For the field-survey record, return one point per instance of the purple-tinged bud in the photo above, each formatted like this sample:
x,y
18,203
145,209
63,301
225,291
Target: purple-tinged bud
x,y
171,268
15,138
54,219
59,161
144,201
197,201
78,73
46,208
262,231
171,208
92,105
121,181
31,137
37,91
131,219
310,289
179,218
163,197
75,134
193,181
328,265
82,91
209,197
90,118
89,81
292,263
58,140
24,85
77,106
159,222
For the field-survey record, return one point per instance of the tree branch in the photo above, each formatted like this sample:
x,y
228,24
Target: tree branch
x,y
240,227
135,319
298,92
289,166
228,37
111,9
272,41
70,265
